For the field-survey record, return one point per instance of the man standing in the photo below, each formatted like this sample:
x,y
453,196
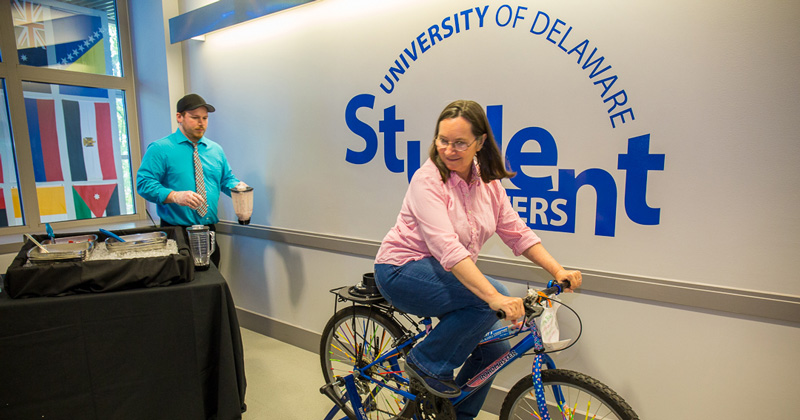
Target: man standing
x,y
185,172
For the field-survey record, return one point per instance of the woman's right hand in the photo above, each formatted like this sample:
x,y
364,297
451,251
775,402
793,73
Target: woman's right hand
x,y
574,277
511,306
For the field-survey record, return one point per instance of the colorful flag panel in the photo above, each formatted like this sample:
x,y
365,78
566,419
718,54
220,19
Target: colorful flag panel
x,y
3,214
41,117
15,202
90,145
52,201
88,92
96,201
92,61
76,36
105,142
29,26
56,37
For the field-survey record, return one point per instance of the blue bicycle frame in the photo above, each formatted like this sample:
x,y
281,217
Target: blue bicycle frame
x,y
532,341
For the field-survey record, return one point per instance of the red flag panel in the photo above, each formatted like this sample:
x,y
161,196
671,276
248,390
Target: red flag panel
x,y
49,137
96,197
105,145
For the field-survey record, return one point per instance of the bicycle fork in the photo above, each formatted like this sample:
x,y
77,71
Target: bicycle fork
x,y
539,386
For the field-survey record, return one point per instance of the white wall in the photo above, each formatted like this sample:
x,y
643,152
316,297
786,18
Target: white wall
x,y
714,84
717,97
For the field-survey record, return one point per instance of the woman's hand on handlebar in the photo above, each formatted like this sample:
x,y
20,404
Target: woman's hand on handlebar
x,y
512,307
574,278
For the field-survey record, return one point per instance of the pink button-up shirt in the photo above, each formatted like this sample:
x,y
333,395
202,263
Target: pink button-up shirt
x,y
451,221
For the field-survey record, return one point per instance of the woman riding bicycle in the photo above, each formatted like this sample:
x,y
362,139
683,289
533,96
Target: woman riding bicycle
x,y
426,263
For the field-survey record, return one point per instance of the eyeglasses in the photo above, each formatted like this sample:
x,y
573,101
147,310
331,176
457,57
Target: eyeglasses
x,y
457,145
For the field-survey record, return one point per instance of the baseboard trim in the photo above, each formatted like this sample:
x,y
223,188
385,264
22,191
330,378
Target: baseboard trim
x,y
270,327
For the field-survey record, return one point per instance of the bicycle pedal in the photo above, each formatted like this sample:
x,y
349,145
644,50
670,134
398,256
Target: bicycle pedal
x,y
430,406
416,387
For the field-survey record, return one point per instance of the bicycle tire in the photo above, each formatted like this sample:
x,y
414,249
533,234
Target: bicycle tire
x,y
343,346
582,394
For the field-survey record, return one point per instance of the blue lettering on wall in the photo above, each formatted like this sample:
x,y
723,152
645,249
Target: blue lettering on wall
x,y
538,200
455,24
361,129
552,30
637,162
389,126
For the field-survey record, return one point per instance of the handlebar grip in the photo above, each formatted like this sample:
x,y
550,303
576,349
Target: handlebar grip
x,y
553,288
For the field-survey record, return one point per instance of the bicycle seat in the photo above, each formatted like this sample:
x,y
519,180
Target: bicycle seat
x,y
366,291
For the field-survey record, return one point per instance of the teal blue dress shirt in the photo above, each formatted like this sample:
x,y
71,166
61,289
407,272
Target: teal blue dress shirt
x,y
168,165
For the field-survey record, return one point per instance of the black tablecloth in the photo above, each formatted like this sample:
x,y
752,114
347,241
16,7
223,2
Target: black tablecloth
x,y
171,352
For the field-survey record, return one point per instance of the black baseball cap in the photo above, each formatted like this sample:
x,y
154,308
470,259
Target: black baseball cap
x,y
193,101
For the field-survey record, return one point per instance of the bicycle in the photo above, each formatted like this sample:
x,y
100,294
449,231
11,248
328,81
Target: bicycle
x,y
363,346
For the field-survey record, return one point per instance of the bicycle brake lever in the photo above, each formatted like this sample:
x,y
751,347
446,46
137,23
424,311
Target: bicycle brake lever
x,y
534,312
531,311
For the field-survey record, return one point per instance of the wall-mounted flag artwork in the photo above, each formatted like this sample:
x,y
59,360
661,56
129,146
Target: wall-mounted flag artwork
x,y
44,139
3,213
61,36
89,140
17,205
74,139
52,201
96,201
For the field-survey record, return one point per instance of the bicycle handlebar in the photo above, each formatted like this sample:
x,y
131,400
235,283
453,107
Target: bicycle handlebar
x,y
554,288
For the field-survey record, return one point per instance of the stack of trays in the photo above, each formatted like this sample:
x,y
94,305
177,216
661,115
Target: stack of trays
x,y
60,252
72,239
138,242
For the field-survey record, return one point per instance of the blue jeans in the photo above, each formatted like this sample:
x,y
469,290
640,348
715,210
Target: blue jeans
x,y
425,288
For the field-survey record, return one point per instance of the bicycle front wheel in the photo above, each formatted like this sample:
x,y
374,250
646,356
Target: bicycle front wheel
x,y
569,395
354,337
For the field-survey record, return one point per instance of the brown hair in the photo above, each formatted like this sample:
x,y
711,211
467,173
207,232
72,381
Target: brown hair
x,y
490,162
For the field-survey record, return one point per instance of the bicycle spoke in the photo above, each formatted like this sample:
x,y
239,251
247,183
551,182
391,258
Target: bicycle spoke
x,y
568,396
354,339
347,344
341,335
529,409
349,356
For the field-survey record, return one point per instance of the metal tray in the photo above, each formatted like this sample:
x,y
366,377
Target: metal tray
x,y
71,239
76,251
138,242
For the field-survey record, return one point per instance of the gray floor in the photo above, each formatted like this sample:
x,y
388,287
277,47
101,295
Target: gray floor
x,y
283,381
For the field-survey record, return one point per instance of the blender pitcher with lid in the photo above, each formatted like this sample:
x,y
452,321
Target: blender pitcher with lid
x,y
202,243
243,204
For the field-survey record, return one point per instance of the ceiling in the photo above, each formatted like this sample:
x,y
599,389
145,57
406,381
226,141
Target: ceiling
x,y
108,6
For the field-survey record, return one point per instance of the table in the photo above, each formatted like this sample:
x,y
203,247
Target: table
x,y
170,352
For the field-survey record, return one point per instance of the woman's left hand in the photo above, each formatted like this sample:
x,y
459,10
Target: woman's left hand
x,y
573,276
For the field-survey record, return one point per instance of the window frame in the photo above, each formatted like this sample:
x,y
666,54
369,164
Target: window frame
x,y
14,74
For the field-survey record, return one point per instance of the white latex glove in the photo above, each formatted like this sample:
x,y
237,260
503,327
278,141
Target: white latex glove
x,y
240,186
189,199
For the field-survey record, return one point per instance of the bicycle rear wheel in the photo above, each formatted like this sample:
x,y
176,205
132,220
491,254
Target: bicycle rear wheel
x,y
356,336
580,397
